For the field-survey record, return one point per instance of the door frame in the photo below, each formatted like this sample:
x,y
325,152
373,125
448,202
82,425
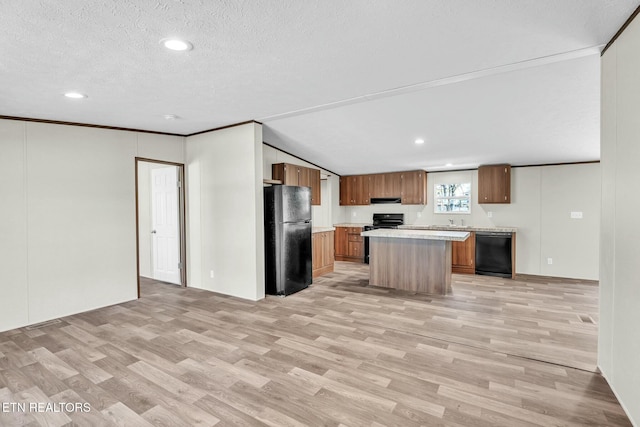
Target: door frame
x,y
182,229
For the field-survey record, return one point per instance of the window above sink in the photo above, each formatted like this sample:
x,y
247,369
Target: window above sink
x,y
452,198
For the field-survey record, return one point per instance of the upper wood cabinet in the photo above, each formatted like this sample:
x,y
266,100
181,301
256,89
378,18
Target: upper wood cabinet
x,y
494,184
385,185
302,176
410,186
413,186
354,190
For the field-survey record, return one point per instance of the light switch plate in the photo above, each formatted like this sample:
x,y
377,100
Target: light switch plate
x,y
489,214
576,215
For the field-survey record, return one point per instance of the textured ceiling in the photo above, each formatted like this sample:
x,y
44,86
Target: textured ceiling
x,y
342,84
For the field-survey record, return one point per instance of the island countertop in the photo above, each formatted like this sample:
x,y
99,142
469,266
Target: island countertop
x,y
456,236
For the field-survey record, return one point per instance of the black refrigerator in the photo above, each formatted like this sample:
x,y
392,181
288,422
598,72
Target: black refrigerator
x,y
287,238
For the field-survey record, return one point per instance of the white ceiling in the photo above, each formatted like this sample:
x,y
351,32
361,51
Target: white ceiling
x,y
346,85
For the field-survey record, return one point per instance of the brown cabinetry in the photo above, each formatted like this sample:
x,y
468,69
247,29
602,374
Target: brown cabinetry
x,y
413,185
302,176
322,253
463,255
385,185
494,184
410,186
349,244
354,190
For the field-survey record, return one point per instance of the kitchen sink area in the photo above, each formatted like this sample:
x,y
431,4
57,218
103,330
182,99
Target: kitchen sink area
x,y
458,227
488,251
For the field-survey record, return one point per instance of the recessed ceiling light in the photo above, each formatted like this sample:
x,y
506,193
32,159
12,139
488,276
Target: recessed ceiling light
x,y
176,44
75,95
419,141
449,165
171,117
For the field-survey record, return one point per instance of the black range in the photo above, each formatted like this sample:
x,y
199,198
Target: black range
x,y
381,220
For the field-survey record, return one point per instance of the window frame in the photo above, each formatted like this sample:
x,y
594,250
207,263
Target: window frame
x,y
465,197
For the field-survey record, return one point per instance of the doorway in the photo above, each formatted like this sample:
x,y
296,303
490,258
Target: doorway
x,y
160,222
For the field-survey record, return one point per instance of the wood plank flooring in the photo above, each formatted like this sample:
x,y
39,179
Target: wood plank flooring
x,y
496,352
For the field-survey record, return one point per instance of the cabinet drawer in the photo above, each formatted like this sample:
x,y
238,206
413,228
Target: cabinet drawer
x,y
354,230
355,238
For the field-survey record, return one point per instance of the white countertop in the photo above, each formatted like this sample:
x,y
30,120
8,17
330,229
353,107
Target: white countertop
x,y
351,224
458,236
458,228
321,229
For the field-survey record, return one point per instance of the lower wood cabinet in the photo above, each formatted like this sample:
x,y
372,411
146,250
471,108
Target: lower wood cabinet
x,y
322,253
463,255
349,244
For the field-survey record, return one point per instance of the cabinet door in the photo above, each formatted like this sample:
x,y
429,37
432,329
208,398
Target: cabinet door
x,y
355,250
355,246
414,187
328,248
304,177
341,241
494,184
463,255
345,190
392,184
314,182
317,251
361,190
314,251
377,185
285,172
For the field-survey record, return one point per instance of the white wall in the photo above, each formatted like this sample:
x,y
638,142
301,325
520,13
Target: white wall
x,y
619,334
542,199
68,218
14,303
328,212
225,211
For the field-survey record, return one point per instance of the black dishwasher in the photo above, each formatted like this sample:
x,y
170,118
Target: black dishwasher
x,y
493,254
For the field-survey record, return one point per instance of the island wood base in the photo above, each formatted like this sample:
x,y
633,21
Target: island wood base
x,y
410,264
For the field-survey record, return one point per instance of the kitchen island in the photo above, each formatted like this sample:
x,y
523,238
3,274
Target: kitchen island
x,y
412,260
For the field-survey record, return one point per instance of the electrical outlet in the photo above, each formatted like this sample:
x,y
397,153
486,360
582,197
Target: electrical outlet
x,y
419,214
353,214
211,274
489,214
576,215
549,261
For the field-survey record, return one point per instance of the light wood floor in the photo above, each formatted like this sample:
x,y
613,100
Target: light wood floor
x,y
494,353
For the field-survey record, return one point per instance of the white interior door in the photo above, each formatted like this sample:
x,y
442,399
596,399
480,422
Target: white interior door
x,y
165,242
